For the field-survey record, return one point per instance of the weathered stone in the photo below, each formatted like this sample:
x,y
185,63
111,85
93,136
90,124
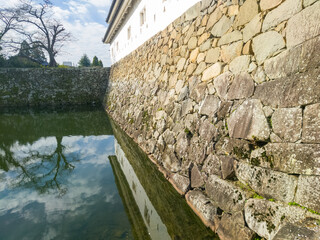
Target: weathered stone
x,y
181,64
205,46
266,44
294,60
303,26
233,10
307,3
308,192
240,64
230,38
196,178
202,207
214,17
173,80
293,91
252,67
286,123
229,52
311,124
266,217
201,67
221,27
194,55
196,151
224,194
210,105
294,158
211,166
181,183
247,11
283,12
228,228
224,110
307,229
241,87
252,28
213,55
190,69
192,44
193,12
186,107
227,169
207,131
212,71
268,4
221,84
268,183
201,57
169,160
248,122
211,89
198,92
267,111
259,76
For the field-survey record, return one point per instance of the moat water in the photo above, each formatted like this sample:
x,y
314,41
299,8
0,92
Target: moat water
x,y
73,174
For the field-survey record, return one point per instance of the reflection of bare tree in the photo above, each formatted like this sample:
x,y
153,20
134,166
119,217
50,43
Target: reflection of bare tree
x,y
43,172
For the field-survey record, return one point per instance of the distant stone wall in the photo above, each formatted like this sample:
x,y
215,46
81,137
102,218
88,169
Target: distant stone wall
x,y
226,101
52,86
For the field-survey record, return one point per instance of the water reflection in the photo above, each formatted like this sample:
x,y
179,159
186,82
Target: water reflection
x,y
59,185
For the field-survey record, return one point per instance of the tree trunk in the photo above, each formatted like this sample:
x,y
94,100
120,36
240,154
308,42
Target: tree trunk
x,y
52,61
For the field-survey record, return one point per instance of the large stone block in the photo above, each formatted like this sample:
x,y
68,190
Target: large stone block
x,y
294,60
210,105
266,217
241,87
181,183
247,11
212,55
229,227
240,64
266,44
221,84
229,52
311,124
283,12
308,192
230,37
266,182
303,26
249,122
212,71
225,195
293,91
252,28
286,123
294,158
268,4
221,27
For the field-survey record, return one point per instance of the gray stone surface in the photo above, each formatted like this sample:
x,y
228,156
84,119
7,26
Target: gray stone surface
x,y
230,37
311,124
210,105
287,123
196,178
248,122
266,217
294,60
198,92
230,228
252,28
295,158
299,89
225,195
221,27
207,131
268,4
304,25
231,51
212,55
221,84
212,71
308,192
227,170
211,166
268,183
242,87
283,12
181,182
266,44
240,64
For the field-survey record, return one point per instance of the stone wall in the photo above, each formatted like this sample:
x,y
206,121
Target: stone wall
x,y
52,86
226,101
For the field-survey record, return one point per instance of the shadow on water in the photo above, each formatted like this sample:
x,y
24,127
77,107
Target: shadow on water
x,y
155,194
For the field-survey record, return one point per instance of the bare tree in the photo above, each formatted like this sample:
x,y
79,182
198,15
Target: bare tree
x,y
8,20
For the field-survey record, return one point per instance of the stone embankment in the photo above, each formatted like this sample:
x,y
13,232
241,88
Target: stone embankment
x,y
52,86
226,101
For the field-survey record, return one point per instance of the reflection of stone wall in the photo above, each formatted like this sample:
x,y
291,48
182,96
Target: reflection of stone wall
x,y
52,86
226,101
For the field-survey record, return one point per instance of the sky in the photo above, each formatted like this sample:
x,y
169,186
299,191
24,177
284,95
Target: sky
x,y
85,20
